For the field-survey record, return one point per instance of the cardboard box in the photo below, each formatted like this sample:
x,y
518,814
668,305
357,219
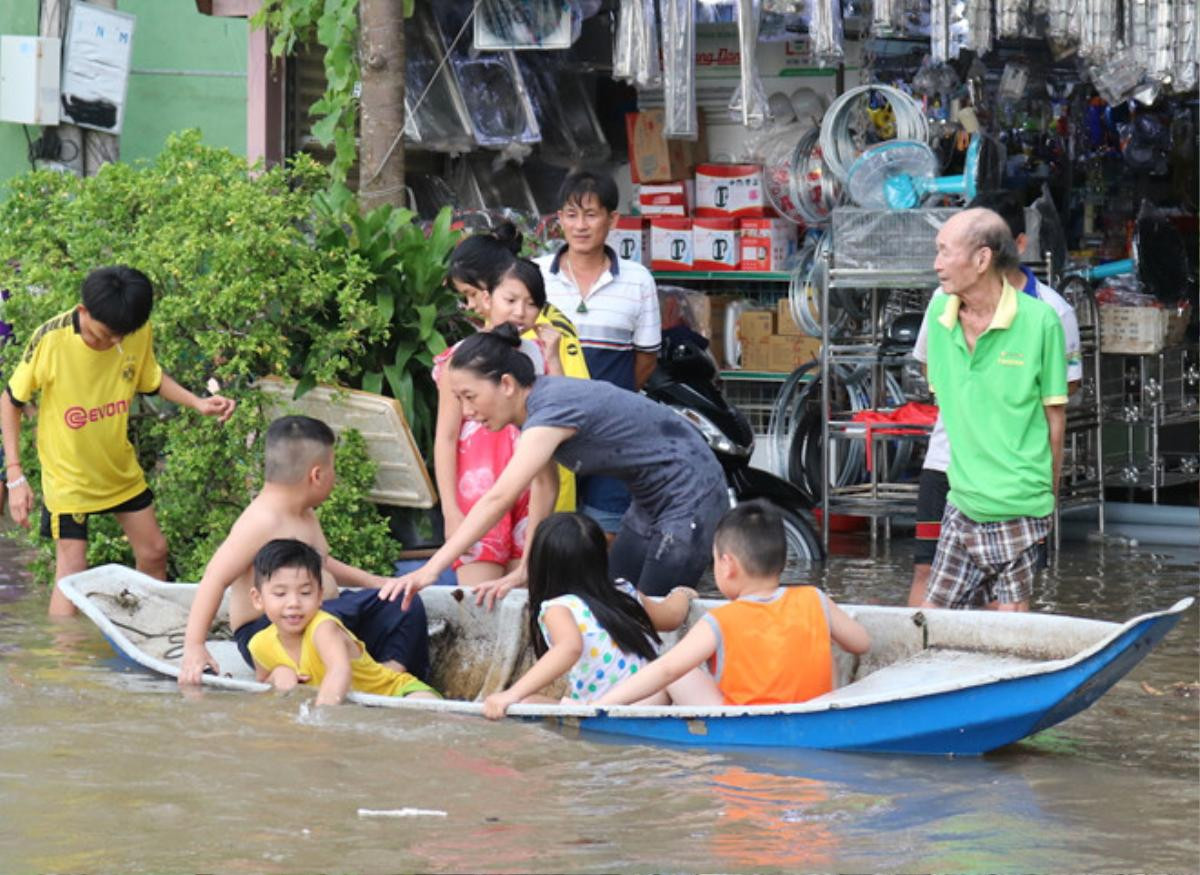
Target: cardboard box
x,y
715,244
670,243
630,239
730,191
767,244
654,158
785,326
755,329
666,199
785,354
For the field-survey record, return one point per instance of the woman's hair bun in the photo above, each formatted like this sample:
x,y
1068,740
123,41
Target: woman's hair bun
x,y
506,234
509,333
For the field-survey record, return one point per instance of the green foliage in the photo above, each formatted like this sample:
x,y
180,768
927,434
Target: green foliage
x,y
357,533
242,292
409,293
333,24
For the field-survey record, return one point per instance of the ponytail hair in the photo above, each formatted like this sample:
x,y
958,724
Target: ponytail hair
x,y
569,556
493,354
482,260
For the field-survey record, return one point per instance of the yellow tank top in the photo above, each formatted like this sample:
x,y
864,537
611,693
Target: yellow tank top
x,y
570,354
366,675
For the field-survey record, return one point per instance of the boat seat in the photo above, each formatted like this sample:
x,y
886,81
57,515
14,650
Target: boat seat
x,y
933,666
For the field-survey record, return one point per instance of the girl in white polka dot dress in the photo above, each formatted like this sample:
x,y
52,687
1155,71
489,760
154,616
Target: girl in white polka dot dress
x,y
584,626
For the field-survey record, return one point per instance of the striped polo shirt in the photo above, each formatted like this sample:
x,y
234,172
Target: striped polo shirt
x,y
621,314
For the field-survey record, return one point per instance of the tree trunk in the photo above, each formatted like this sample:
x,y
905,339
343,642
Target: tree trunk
x,y
381,106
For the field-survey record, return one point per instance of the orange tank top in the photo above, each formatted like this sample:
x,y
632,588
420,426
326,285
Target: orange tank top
x,y
773,652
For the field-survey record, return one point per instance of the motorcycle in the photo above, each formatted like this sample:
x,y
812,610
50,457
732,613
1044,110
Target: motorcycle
x,y
685,381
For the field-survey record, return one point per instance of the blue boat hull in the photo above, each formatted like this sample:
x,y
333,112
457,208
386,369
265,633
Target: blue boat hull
x,y
968,721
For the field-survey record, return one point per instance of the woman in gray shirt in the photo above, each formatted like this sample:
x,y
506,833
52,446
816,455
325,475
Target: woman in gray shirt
x,y
589,427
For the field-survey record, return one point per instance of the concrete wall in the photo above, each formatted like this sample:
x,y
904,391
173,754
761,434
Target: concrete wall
x,y
189,71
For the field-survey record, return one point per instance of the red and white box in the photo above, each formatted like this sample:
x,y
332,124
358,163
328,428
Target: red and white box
x,y
666,198
715,244
630,239
730,191
670,243
767,244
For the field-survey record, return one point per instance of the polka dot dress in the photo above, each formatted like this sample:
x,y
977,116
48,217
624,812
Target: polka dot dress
x,y
602,665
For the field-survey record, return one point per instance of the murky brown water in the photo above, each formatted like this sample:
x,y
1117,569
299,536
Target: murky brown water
x,y
107,770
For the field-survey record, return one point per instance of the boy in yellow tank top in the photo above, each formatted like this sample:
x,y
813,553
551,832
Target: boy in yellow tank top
x,y
305,645
769,645
86,366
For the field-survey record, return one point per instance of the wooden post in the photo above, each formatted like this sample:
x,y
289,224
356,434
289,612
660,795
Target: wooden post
x,y
381,103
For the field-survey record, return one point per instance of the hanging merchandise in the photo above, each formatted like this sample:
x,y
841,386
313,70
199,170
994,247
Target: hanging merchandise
x,y
864,116
635,46
571,133
978,20
1118,76
1009,15
1064,20
825,33
435,115
884,17
1046,233
525,24
1185,47
1097,34
939,31
679,69
749,102
500,110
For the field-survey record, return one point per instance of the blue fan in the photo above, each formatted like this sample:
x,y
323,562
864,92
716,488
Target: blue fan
x,y
899,175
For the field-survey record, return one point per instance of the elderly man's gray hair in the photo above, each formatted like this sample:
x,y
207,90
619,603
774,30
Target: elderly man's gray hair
x,y
988,228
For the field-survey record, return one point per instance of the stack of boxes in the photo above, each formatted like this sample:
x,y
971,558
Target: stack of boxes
x,y
771,341
718,220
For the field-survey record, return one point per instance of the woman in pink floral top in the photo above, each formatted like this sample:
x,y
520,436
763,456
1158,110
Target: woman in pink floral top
x,y
467,455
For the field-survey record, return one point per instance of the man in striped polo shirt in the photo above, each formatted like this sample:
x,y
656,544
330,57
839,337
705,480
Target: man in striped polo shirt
x,y
614,305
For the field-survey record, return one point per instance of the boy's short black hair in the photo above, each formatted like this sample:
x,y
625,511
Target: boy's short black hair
x,y
753,534
1007,204
285,553
118,297
578,185
294,444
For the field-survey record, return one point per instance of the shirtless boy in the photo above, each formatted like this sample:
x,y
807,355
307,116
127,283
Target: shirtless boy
x,y
299,477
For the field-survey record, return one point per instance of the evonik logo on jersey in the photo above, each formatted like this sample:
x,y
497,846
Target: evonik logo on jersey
x,y
78,417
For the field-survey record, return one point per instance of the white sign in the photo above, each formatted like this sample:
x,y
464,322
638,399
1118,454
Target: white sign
x,y
96,65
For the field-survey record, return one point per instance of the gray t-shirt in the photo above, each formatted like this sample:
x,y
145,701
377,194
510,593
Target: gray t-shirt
x,y
667,466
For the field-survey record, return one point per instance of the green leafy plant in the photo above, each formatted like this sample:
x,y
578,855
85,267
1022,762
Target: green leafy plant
x,y
408,289
332,24
242,292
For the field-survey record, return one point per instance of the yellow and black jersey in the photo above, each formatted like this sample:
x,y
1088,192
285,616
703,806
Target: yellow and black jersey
x,y
88,463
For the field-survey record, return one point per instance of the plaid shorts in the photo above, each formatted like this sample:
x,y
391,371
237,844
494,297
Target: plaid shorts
x,y
980,563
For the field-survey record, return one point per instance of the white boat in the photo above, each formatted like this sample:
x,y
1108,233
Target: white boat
x,y
939,682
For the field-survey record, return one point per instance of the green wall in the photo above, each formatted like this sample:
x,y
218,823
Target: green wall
x,y
16,17
175,52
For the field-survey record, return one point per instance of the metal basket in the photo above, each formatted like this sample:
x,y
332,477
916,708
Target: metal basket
x,y
889,241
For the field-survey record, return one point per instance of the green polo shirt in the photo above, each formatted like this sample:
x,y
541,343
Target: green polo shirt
x,y
991,401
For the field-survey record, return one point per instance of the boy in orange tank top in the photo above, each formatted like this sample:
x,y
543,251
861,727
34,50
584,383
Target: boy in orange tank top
x,y
769,645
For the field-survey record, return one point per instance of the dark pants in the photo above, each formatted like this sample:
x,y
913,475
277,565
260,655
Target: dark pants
x,y
659,555
388,632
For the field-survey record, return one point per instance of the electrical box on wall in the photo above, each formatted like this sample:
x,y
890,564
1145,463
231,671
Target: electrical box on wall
x,y
29,70
96,63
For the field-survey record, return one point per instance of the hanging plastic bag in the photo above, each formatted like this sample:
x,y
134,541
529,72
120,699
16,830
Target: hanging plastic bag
x,y
749,104
1185,48
825,32
679,69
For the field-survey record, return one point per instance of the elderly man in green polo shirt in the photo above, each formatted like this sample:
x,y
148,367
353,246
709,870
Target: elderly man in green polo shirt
x,y
998,368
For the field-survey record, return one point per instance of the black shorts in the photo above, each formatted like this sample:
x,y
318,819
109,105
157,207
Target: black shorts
x,y
74,526
932,490
387,631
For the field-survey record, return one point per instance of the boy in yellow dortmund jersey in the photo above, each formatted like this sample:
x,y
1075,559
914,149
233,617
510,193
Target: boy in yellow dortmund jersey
x,y
306,645
88,363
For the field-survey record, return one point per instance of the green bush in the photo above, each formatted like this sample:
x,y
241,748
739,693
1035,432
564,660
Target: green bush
x,y
243,291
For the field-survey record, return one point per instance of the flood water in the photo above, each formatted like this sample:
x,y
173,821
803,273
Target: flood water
x,y
110,770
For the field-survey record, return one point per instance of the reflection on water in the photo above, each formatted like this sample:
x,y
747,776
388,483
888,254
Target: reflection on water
x,y
118,771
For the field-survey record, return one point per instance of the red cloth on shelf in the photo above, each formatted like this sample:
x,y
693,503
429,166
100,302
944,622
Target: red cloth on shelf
x,y
911,418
